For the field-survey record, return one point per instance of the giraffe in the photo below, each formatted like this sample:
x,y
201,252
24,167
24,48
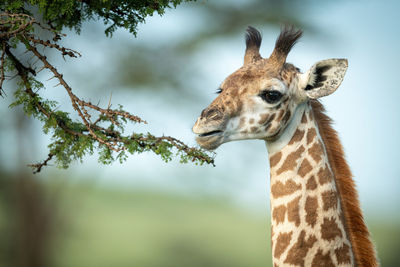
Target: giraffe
x,y
316,217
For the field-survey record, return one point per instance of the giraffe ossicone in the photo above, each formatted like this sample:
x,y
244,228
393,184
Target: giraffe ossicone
x,y
316,219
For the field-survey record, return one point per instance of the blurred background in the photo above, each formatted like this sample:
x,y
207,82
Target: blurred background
x,y
145,212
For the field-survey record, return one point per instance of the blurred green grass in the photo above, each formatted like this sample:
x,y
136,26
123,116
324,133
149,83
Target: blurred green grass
x,y
116,228
105,226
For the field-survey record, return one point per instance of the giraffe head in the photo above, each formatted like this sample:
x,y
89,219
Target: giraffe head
x,y
260,99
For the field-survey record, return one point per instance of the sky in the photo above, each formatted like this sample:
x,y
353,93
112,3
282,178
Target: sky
x,y
365,108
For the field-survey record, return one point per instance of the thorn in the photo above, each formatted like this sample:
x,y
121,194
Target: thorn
x,y
109,101
50,78
57,85
42,68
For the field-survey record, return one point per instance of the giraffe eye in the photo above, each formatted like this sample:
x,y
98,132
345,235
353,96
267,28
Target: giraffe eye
x,y
271,96
219,90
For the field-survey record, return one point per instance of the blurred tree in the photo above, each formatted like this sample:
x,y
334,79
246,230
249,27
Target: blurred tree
x,y
27,25
219,20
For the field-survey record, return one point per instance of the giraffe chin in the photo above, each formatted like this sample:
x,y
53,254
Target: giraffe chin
x,y
209,142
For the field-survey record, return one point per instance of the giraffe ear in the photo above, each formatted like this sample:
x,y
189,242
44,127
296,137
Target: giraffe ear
x,y
323,78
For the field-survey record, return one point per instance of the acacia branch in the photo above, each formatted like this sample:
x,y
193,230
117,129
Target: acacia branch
x,y
64,51
80,135
12,24
37,167
23,73
79,104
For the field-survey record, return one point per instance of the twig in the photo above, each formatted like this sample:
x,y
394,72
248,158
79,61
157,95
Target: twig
x,y
74,99
22,72
38,166
16,19
64,51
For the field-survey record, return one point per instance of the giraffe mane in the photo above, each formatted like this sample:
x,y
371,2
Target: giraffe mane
x,y
363,249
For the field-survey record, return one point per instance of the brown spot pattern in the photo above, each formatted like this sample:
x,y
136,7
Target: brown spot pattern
x,y
242,121
272,235
298,135
329,200
279,189
343,254
253,129
311,114
290,162
282,242
330,230
293,209
280,115
304,118
305,168
316,151
266,118
278,214
286,117
251,121
324,175
243,92
267,127
321,259
311,133
311,183
361,245
299,250
263,118
311,207
273,160
230,106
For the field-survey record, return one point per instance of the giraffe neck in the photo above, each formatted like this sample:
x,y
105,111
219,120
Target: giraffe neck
x,y
308,227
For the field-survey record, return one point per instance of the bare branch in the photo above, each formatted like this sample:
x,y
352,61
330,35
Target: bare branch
x,y
37,167
64,51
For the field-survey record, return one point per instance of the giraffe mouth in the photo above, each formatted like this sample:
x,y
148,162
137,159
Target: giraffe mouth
x,y
210,133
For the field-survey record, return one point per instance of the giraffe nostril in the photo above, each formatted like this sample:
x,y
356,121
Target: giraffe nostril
x,y
212,113
203,113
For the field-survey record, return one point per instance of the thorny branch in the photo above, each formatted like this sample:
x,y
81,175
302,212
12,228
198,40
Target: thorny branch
x,y
23,73
19,27
64,51
37,167
12,24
